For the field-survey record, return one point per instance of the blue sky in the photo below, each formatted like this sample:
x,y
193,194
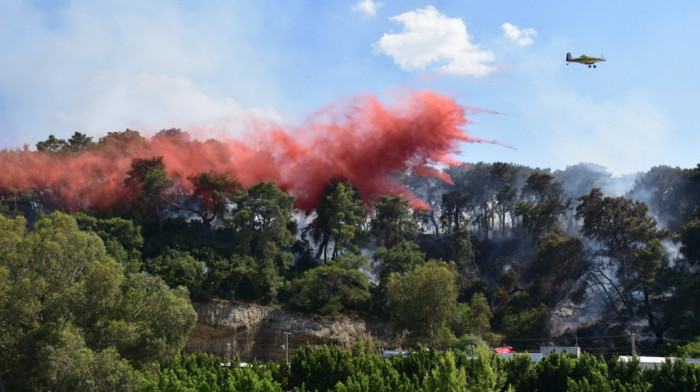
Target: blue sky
x,y
98,66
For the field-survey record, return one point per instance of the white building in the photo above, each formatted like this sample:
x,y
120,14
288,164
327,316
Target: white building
x,y
655,362
546,350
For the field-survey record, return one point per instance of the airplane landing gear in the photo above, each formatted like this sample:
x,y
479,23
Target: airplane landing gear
x,y
593,65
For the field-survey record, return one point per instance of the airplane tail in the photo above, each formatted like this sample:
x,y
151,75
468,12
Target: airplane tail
x,y
568,56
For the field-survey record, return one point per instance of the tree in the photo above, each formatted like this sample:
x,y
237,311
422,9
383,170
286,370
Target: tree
x,y
319,369
560,269
263,229
178,268
423,300
688,350
690,239
690,204
689,291
80,142
506,176
119,141
173,133
687,320
262,217
52,144
148,179
543,204
464,256
213,192
217,280
70,365
446,376
393,221
662,190
629,264
542,217
579,179
77,142
675,376
402,258
618,223
473,318
203,372
148,323
688,310
473,192
485,194
523,318
122,240
334,287
453,205
68,312
540,185
429,189
506,201
339,219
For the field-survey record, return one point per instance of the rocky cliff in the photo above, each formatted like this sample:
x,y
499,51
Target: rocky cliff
x,y
250,331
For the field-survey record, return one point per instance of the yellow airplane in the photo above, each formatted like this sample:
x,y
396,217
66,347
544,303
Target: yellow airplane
x,y
583,60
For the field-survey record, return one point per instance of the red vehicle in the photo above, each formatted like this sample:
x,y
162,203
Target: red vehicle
x,y
503,350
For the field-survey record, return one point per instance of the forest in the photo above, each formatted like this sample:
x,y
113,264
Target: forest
x,y
97,279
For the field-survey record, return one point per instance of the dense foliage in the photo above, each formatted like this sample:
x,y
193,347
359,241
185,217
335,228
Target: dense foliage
x,y
102,297
333,369
69,317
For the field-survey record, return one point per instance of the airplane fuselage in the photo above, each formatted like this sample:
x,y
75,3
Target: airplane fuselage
x,y
583,59
586,60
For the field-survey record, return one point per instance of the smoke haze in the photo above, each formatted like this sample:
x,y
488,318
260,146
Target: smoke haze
x,y
358,139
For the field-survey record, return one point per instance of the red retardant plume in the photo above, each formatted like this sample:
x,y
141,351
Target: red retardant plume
x,y
362,141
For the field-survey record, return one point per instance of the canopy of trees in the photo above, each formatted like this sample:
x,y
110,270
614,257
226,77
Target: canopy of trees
x,y
69,317
422,370
510,249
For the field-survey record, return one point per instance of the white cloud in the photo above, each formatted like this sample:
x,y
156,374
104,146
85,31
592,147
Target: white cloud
x,y
150,102
367,7
432,41
522,37
142,65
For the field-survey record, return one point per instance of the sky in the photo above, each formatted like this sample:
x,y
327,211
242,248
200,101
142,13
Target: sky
x,y
211,66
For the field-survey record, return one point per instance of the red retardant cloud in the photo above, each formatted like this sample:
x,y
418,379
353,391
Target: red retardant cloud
x,y
360,140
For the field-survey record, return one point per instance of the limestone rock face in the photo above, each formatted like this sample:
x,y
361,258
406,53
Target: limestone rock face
x,y
249,331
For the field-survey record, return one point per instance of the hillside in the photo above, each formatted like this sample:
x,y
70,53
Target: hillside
x,y
248,331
